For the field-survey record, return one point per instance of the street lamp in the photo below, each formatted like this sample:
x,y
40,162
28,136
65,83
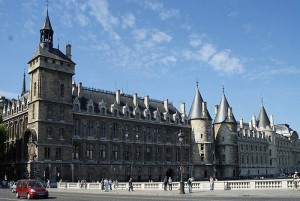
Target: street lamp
x,y
180,138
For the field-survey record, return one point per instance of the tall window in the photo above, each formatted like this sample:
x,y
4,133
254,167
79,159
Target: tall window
x,y
47,152
137,153
62,132
103,150
76,151
148,154
115,150
34,89
58,154
158,153
168,154
102,129
33,111
62,116
126,153
90,128
62,90
202,147
76,126
49,111
202,157
89,152
115,130
49,132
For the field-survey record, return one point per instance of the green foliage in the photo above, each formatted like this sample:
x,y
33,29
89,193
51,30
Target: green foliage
x,y
3,138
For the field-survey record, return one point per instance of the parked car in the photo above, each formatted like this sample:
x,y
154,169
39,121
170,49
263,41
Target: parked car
x,y
30,188
13,187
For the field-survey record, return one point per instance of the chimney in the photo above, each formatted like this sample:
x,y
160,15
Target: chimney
x,y
250,125
271,121
166,105
80,90
135,102
182,107
241,123
118,97
216,109
146,101
68,51
254,121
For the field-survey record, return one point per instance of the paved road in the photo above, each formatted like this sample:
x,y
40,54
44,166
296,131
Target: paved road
x,y
149,195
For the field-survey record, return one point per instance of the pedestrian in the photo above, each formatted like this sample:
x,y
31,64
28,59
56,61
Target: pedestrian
x,y
295,180
102,184
116,184
165,183
170,183
130,184
190,184
110,183
48,183
106,185
211,183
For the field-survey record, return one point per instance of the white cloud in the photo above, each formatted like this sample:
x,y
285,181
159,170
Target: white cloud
x,y
128,21
82,20
195,40
169,60
139,34
161,10
160,37
99,10
207,51
223,62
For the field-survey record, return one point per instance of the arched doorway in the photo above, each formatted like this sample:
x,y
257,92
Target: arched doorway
x,y
170,173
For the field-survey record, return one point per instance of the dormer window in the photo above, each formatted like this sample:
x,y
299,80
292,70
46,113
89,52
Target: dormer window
x,y
90,106
115,112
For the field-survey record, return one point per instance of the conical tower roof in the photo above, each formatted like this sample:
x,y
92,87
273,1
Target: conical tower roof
x,y
263,119
196,108
222,113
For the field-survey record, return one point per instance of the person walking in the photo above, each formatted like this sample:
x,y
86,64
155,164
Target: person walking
x,y
190,184
170,183
130,184
211,183
106,185
165,183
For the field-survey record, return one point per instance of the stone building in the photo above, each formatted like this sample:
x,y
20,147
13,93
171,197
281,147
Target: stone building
x,y
62,130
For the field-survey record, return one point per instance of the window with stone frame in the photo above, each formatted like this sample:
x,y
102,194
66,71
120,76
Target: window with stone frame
x,y
137,153
49,132
103,151
115,152
61,133
127,153
49,111
158,154
58,153
76,152
168,154
148,154
102,130
90,129
62,90
115,130
47,153
89,151
202,157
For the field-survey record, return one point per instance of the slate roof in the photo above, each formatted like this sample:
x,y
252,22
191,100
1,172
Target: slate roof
x,y
109,98
222,113
263,119
196,108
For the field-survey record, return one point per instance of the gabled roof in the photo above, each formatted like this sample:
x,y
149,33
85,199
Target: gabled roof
x,y
222,113
196,108
52,53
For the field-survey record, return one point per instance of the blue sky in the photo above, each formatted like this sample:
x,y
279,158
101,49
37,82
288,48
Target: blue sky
x,y
161,48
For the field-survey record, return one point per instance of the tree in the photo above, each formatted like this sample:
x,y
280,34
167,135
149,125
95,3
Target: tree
x,y
3,138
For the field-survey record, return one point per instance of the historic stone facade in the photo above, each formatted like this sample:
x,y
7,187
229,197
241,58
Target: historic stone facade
x,y
61,130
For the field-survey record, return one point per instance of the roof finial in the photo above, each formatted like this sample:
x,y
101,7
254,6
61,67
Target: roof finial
x,y
47,6
58,44
262,101
223,89
197,83
24,84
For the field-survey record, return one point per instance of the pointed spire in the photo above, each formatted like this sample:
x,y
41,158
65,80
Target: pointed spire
x,y
24,84
222,113
196,108
46,32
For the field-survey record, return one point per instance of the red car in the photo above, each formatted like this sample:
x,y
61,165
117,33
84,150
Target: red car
x,y
30,188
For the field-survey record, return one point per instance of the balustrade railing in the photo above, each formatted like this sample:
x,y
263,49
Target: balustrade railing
x,y
197,185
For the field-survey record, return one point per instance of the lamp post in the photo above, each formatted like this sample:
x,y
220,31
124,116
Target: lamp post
x,y
180,138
